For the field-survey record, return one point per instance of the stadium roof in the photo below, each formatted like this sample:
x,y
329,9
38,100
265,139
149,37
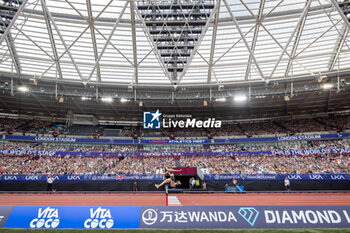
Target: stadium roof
x,y
108,42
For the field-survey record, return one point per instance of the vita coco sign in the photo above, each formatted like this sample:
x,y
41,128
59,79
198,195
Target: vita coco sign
x,y
153,120
99,218
47,218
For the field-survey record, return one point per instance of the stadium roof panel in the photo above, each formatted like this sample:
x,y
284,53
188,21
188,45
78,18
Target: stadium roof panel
x,y
108,42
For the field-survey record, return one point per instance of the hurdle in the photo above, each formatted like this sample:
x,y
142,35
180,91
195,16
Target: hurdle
x,y
170,190
166,195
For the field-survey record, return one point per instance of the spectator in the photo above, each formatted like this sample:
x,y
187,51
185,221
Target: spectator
x,y
287,184
190,183
135,186
235,182
193,182
204,185
50,181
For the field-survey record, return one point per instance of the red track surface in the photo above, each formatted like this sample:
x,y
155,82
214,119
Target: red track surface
x,y
157,199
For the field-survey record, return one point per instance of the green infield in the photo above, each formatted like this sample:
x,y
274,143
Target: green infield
x,y
311,230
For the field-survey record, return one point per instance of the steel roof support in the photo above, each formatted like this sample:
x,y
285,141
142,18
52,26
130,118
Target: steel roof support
x,y
93,38
255,36
52,42
346,21
108,40
303,15
295,45
323,33
205,29
7,31
46,11
96,29
36,44
153,44
213,42
80,35
244,40
13,53
134,47
338,47
251,29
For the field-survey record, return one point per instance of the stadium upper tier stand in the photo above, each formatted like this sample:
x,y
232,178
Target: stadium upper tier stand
x,y
263,164
17,147
20,158
271,127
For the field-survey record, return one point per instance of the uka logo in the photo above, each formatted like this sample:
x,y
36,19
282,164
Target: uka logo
x,y
294,177
31,177
337,177
73,177
10,178
99,218
316,177
47,218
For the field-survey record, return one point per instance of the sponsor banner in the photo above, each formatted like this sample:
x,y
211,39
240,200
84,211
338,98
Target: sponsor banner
x,y
124,154
278,177
5,212
62,153
176,217
154,177
176,141
78,217
226,217
284,138
311,151
114,177
70,140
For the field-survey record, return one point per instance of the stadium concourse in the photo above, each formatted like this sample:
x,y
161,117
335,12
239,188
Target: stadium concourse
x,y
175,114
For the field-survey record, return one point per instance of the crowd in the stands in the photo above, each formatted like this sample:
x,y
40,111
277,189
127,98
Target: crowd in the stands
x,y
268,164
83,165
231,163
253,128
178,149
66,147
258,164
292,145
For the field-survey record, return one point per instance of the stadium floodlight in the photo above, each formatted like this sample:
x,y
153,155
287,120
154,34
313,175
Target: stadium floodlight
x,y
123,100
240,98
220,100
107,99
23,89
327,86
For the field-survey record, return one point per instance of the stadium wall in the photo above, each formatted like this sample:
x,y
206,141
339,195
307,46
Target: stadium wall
x,y
279,185
149,185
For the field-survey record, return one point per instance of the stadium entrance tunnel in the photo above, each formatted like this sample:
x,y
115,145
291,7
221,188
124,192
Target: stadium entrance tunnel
x,y
185,181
